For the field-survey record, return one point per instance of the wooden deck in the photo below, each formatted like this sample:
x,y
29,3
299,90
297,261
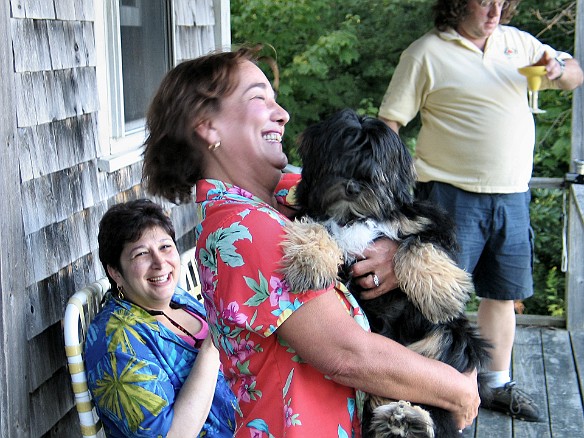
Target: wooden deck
x,y
548,363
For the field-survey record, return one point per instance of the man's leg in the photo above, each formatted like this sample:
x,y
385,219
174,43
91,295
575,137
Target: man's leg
x,y
496,321
502,275
495,245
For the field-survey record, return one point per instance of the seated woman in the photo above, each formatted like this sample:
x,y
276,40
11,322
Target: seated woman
x,y
297,361
151,368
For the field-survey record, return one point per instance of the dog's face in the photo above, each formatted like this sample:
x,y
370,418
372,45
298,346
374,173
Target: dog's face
x,y
353,168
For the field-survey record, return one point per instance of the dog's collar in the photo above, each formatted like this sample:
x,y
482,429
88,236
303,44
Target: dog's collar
x,y
370,223
330,224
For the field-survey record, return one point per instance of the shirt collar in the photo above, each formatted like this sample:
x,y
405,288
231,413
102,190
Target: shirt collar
x,y
212,189
451,34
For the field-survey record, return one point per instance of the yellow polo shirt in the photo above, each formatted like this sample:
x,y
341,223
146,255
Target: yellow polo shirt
x,y
477,131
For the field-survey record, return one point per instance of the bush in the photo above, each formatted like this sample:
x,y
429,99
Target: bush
x,y
342,54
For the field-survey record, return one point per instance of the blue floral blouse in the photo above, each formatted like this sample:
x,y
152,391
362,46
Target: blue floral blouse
x,y
136,368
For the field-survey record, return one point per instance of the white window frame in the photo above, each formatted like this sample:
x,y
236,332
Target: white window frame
x,y
118,147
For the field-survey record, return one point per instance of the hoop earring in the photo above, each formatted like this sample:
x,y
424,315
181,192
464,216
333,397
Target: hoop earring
x,y
214,146
120,292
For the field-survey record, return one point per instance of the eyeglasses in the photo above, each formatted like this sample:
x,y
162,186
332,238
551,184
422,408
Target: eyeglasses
x,y
490,3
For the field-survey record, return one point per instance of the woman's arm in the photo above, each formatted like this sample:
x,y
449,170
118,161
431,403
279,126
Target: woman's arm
x,y
324,335
194,399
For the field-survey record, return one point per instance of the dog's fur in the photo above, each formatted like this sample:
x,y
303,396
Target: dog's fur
x,y
357,182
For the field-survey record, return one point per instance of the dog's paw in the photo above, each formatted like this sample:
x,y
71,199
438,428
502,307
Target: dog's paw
x,y
311,257
433,281
401,419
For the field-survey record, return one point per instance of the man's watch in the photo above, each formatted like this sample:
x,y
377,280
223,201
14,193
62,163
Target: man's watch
x,y
562,67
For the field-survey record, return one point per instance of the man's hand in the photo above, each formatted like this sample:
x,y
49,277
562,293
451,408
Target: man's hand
x,y
378,262
553,68
567,73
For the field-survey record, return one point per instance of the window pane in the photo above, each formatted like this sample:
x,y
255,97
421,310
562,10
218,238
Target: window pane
x,y
145,46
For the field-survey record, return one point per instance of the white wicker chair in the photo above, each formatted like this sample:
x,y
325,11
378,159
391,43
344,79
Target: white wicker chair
x,y
189,278
81,308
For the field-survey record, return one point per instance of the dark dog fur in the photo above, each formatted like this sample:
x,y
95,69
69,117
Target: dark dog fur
x,y
357,182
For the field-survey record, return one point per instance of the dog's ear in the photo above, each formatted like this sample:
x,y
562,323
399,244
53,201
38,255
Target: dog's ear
x,y
307,147
311,256
327,138
394,162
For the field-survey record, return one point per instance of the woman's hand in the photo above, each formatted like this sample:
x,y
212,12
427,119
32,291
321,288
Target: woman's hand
x,y
469,408
378,262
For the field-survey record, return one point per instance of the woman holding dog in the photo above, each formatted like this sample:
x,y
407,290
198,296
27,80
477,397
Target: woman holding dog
x,y
297,362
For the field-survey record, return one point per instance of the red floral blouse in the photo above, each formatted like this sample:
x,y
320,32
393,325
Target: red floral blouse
x,y
238,250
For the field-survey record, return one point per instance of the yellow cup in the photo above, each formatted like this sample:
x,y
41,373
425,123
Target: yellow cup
x,y
533,73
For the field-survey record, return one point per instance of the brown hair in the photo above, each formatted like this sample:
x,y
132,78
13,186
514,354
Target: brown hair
x,y
188,94
449,13
125,223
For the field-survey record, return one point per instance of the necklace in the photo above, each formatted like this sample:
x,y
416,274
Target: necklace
x,y
198,342
176,324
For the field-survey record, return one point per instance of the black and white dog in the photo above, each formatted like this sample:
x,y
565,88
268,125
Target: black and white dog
x,y
357,183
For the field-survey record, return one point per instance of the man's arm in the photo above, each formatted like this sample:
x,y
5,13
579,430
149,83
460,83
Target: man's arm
x,y
572,76
392,124
568,76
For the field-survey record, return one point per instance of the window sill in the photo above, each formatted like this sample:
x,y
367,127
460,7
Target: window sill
x,y
111,163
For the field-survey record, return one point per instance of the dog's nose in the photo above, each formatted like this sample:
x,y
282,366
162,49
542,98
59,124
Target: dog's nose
x,y
352,188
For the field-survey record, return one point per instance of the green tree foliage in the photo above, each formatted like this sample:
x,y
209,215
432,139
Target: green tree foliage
x,y
552,22
549,282
331,55
336,54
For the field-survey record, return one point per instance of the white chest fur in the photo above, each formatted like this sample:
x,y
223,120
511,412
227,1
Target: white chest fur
x,y
354,237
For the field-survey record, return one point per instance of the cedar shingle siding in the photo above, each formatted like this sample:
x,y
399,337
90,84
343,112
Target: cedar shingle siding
x,y
53,193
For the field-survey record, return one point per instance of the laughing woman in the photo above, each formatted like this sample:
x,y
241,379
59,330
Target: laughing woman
x,y
297,361
151,368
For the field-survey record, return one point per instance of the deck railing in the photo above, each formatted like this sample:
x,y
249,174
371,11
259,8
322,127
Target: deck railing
x,y
575,262
574,247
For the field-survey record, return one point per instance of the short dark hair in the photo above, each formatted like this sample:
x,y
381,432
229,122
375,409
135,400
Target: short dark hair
x,y
188,94
449,13
124,223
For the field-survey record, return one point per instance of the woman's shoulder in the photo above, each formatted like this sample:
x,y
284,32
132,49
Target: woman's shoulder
x,y
221,201
120,325
100,320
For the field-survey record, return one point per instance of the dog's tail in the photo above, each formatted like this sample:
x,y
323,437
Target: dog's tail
x,y
398,419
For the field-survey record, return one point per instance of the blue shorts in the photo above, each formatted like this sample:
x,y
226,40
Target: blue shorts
x,y
494,235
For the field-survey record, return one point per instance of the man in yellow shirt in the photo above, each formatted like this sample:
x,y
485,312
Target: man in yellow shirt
x,y
474,155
